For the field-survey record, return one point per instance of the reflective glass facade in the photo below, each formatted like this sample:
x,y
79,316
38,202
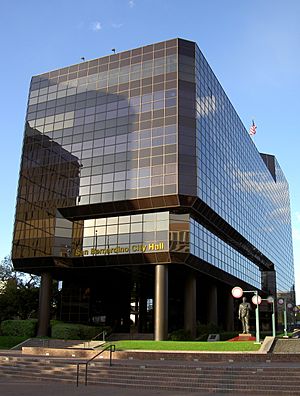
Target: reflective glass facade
x,y
117,115
233,179
101,131
213,250
142,233
141,153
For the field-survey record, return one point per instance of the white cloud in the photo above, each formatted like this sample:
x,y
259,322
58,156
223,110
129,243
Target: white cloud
x,y
96,26
117,25
131,3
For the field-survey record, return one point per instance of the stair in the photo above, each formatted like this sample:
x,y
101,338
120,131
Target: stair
x,y
58,344
130,336
248,379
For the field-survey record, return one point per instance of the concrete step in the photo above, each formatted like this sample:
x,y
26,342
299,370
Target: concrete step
x,y
58,344
130,336
100,365
212,389
182,377
221,387
192,381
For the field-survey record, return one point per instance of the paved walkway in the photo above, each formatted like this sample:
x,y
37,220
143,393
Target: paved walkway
x,y
18,388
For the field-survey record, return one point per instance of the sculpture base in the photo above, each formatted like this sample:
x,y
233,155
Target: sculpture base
x,y
243,337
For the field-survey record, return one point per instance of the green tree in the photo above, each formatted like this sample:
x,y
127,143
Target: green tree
x,y
19,293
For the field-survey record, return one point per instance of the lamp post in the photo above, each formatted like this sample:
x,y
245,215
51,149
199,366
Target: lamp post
x,y
295,309
290,306
237,292
271,300
256,299
282,301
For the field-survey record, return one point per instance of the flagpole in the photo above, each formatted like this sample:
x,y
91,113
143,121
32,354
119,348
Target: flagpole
x,y
252,130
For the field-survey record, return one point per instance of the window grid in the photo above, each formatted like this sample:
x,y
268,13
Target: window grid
x,y
233,179
216,252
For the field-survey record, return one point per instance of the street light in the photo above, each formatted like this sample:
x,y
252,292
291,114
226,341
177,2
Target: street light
x,y
282,301
237,292
271,300
256,299
295,310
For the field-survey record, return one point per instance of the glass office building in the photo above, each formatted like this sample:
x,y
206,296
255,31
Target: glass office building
x,y
141,190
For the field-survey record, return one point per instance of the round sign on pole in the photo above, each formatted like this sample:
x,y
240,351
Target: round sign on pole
x,y
290,305
237,292
255,299
270,299
280,301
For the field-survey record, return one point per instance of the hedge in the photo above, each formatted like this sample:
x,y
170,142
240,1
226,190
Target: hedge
x,y
228,335
71,331
180,335
22,328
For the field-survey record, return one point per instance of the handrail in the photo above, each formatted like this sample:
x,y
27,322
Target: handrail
x,y
111,348
104,332
45,341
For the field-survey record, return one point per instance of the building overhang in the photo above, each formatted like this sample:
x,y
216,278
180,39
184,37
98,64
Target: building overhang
x,y
179,204
91,267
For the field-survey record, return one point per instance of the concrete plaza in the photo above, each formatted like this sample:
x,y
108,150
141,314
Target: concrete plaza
x,y
11,387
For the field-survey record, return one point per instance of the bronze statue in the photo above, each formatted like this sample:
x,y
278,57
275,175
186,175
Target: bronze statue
x,y
244,312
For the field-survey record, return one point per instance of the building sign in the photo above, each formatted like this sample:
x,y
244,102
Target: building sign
x,y
141,248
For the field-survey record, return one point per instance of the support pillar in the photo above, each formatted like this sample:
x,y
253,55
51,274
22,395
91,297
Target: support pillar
x,y
161,303
44,304
142,313
212,305
229,312
190,305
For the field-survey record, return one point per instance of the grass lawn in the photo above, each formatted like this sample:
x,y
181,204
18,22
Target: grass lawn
x,y
7,342
223,346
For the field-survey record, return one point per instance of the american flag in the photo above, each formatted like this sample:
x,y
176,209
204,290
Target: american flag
x,y
252,130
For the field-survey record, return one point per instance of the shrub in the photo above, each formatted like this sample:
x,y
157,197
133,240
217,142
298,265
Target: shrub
x,y
204,330
227,335
72,331
207,329
22,328
180,335
203,337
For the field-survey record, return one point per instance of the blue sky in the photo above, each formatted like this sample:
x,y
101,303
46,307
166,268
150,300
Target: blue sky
x,y
252,45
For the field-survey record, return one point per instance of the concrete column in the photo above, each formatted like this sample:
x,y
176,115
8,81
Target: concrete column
x,y
229,312
142,313
44,304
161,303
190,305
212,305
